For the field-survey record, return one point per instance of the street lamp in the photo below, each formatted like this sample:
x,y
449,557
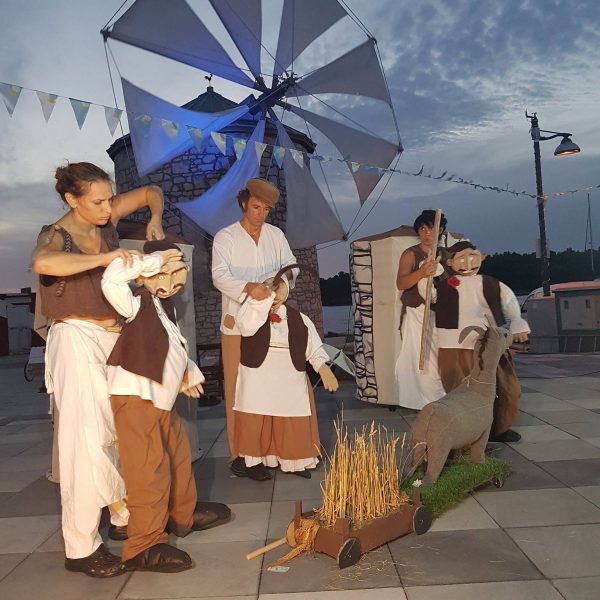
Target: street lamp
x,y
565,148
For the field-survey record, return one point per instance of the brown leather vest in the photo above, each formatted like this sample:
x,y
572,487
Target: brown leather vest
x,y
143,344
254,348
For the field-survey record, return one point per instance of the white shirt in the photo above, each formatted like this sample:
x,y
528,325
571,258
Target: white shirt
x,y
124,383
237,260
473,309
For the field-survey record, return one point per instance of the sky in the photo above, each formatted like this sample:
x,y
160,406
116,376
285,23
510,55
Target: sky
x,y
461,75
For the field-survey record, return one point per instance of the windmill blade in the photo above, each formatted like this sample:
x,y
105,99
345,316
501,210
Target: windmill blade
x,y
302,22
310,220
355,146
218,207
357,72
243,21
172,29
153,147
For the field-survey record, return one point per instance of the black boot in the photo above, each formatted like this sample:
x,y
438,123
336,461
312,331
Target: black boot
x,y
101,563
117,532
210,514
160,558
507,436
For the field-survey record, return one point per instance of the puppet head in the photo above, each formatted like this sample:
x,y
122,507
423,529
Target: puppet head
x,y
281,293
172,276
464,259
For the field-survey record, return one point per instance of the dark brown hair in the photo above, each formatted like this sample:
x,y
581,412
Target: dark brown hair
x,y
427,217
243,196
459,247
75,178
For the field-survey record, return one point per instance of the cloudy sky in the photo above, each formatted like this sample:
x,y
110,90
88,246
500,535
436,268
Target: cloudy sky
x,y
461,74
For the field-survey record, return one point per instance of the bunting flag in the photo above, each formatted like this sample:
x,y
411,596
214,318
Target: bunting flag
x,y
142,124
80,108
10,95
354,166
195,134
48,102
297,156
220,141
239,145
113,117
170,128
260,149
279,155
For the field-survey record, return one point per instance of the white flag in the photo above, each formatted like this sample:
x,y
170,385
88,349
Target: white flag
x,y
10,95
48,102
259,147
297,156
354,166
278,155
195,134
220,141
113,116
171,128
141,124
80,108
239,145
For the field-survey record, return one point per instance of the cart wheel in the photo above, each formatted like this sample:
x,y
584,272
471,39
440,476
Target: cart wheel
x,y
349,553
28,372
498,482
422,520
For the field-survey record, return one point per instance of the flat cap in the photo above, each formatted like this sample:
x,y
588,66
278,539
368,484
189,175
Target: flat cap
x,y
263,190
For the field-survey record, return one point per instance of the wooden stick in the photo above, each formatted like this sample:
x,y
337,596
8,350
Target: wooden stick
x,y
431,256
266,548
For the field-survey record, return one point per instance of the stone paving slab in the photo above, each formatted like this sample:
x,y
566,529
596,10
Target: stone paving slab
x,y
513,590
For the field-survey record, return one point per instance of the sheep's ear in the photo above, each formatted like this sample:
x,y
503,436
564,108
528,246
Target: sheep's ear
x,y
490,320
467,330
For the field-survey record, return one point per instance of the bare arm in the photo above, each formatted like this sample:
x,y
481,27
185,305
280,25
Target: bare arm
x,y
406,277
49,258
150,196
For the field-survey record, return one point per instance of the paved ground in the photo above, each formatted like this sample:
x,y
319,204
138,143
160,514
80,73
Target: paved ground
x,y
537,538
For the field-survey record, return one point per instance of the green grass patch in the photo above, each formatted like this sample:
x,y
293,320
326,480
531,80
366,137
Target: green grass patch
x,y
458,478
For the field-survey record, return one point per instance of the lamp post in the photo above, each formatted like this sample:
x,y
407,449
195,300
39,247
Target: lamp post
x,y
565,148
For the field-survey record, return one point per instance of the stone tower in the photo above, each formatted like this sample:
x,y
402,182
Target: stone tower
x,y
188,176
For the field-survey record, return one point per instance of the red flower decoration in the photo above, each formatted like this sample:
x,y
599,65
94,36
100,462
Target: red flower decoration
x,y
275,318
453,281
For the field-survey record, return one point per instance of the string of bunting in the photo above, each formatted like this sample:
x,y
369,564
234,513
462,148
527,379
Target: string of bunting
x,y
141,123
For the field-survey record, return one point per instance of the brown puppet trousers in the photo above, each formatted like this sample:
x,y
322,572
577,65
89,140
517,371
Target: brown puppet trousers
x,y
157,468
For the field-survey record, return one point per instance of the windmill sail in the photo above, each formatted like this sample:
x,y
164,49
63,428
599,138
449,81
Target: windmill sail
x,y
172,29
153,147
310,219
243,21
355,146
218,207
302,22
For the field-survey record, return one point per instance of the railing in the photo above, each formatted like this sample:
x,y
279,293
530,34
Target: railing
x,y
571,343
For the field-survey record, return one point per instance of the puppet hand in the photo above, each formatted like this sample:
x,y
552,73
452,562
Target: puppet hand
x,y
330,382
520,337
257,291
194,392
171,260
154,230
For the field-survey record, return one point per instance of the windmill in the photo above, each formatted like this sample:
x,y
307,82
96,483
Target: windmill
x,y
161,130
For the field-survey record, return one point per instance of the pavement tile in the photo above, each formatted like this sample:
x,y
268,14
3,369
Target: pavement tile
x,y
26,463
575,415
41,497
23,438
540,433
584,588
218,450
8,562
221,569
593,441
319,572
532,403
525,419
590,401
46,571
525,476
467,515
15,482
582,430
557,450
530,508
389,593
590,492
450,557
574,472
25,534
232,489
505,452
10,450
282,513
212,468
502,590
561,551
249,523
292,487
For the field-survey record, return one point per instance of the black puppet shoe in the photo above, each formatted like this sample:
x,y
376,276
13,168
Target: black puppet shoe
x,y
117,532
238,467
210,514
160,558
508,436
101,563
259,472
305,474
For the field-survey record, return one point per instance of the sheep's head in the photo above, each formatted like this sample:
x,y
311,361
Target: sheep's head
x,y
491,344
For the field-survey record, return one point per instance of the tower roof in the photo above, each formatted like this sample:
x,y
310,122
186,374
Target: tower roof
x,y
209,102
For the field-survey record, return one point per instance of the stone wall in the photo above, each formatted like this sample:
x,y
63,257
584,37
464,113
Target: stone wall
x,y
187,177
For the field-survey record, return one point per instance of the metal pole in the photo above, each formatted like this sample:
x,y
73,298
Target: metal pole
x,y
545,273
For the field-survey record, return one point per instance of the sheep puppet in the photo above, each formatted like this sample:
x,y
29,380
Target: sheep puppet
x,y
462,418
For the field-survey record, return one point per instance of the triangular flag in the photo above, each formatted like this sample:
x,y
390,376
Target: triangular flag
x,y
48,102
195,135
10,95
220,141
80,108
113,116
297,156
278,155
260,148
239,145
141,124
171,128
354,166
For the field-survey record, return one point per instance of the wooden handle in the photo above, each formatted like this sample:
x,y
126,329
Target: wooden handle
x,y
266,548
432,255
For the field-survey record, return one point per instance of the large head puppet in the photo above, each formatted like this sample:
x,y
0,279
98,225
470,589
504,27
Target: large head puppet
x,y
464,259
173,275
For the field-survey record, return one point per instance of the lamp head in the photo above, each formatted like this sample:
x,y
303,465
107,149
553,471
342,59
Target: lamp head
x,y
566,147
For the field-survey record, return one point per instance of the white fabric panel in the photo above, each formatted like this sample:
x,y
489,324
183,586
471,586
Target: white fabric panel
x,y
355,146
218,206
172,29
302,22
340,76
156,148
310,220
243,21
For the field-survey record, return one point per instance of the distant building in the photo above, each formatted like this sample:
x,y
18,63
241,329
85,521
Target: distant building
x,y
16,320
